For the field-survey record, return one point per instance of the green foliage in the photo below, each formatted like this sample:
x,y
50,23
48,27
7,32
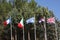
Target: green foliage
x,y
27,10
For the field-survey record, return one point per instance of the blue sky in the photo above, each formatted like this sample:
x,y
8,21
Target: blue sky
x,y
53,5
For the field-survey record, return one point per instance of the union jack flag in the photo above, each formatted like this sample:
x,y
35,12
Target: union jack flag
x,y
51,20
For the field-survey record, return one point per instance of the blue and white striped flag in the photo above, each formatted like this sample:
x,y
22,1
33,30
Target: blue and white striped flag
x,y
30,20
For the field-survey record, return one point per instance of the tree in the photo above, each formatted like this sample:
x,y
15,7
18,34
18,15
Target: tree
x,y
27,10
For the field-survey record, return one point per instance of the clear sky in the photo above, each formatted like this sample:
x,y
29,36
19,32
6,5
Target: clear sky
x,y
53,5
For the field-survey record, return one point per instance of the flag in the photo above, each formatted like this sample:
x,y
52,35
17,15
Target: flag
x,y
30,20
51,20
7,22
21,25
41,20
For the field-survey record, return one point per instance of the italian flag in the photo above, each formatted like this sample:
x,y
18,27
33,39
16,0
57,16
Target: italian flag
x,y
21,25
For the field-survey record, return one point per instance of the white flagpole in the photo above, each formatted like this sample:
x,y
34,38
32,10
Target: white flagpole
x,y
45,34
56,30
23,34
35,31
34,27
11,27
23,26
28,35
15,35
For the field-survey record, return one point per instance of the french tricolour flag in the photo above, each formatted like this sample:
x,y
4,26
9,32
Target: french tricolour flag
x,y
6,22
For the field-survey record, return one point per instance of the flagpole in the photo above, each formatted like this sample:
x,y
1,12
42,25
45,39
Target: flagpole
x,y
34,27
11,27
45,34
56,30
35,31
23,26
23,34
28,35
15,35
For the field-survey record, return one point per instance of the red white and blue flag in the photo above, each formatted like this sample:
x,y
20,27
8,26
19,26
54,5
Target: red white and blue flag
x,y
51,20
6,22
41,20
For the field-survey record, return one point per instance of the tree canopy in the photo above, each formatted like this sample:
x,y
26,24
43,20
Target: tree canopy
x,y
27,10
